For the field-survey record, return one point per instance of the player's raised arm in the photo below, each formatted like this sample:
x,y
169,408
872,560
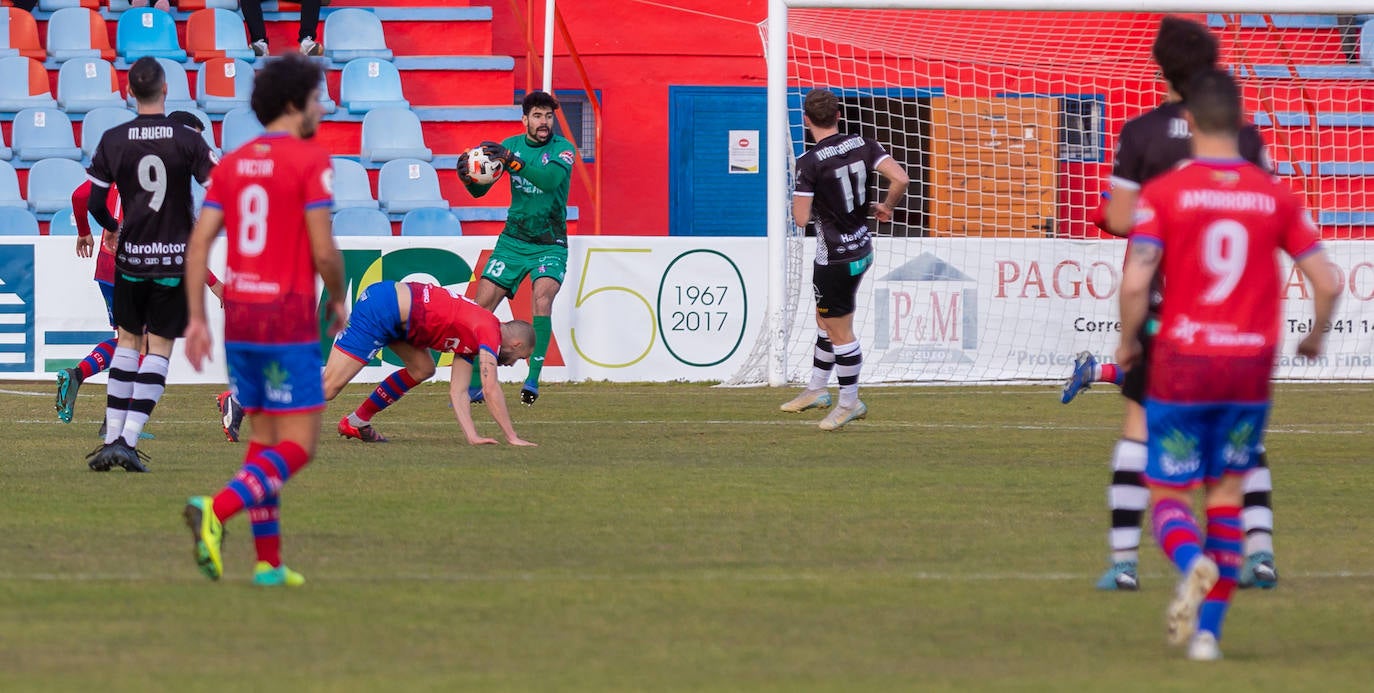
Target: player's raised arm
x,y
459,375
198,343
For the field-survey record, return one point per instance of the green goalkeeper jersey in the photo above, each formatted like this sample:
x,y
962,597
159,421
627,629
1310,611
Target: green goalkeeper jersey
x,y
539,193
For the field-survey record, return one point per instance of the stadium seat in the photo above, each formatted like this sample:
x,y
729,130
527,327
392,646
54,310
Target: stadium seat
x,y
19,35
350,34
178,88
224,84
17,222
96,122
9,187
368,83
393,133
326,104
147,31
63,223
58,5
24,84
84,84
216,33
197,196
43,133
360,221
239,125
51,182
406,184
193,5
431,221
76,32
351,186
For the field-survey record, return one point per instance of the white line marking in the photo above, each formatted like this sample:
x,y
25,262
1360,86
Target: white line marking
x,y
24,393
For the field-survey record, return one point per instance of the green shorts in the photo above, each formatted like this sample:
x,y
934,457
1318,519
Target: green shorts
x,y
513,259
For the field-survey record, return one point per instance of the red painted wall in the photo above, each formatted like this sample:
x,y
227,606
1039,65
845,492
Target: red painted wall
x,y
633,51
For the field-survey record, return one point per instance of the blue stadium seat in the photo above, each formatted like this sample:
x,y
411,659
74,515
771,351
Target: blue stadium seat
x,y
9,187
96,122
17,222
63,223
406,184
350,34
51,182
147,31
351,185
23,84
178,88
326,104
360,221
197,196
44,133
224,84
431,221
393,133
239,125
84,84
368,83
77,32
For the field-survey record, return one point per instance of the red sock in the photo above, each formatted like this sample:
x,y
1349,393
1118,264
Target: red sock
x,y
266,532
228,502
1111,373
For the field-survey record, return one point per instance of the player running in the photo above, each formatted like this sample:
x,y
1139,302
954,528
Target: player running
x,y
152,160
1150,145
830,190
273,196
69,380
1210,230
411,319
534,241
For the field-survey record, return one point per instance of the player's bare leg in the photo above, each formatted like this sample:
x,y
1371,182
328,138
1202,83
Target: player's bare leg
x,y
822,364
545,290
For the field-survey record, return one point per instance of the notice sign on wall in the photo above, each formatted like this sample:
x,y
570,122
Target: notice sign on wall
x,y
744,151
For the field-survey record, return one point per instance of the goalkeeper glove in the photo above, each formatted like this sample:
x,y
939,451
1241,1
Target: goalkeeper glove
x,y
507,158
463,170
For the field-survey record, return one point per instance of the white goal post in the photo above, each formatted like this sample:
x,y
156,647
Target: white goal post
x,y
994,246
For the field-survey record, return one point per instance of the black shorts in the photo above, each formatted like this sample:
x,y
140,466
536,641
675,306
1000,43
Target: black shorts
x,y
836,286
146,304
1134,381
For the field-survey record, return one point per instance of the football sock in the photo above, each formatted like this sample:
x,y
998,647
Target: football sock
x,y
262,475
391,389
1127,499
1109,373
118,391
543,328
848,361
1223,546
148,386
1258,515
98,360
1176,532
823,362
266,531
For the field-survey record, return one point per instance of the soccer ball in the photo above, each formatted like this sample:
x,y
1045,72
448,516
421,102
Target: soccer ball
x,y
481,168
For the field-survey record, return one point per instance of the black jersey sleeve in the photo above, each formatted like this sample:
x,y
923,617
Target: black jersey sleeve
x,y
1129,161
201,156
806,176
101,169
874,154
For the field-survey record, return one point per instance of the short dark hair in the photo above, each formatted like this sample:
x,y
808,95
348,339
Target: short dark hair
x,y
284,82
146,79
187,119
822,107
538,99
1182,49
1214,102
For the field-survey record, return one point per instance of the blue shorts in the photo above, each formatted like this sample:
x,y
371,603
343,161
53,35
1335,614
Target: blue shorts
x,y
1195,443
107,290
276,378
374,323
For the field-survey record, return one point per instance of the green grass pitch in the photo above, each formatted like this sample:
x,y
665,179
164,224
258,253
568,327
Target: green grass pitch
x,y
666,537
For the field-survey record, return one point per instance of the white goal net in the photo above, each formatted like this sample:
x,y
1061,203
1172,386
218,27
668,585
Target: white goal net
x,y
1006,122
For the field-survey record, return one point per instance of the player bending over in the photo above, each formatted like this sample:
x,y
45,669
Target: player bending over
x,y
411,319
1211,229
